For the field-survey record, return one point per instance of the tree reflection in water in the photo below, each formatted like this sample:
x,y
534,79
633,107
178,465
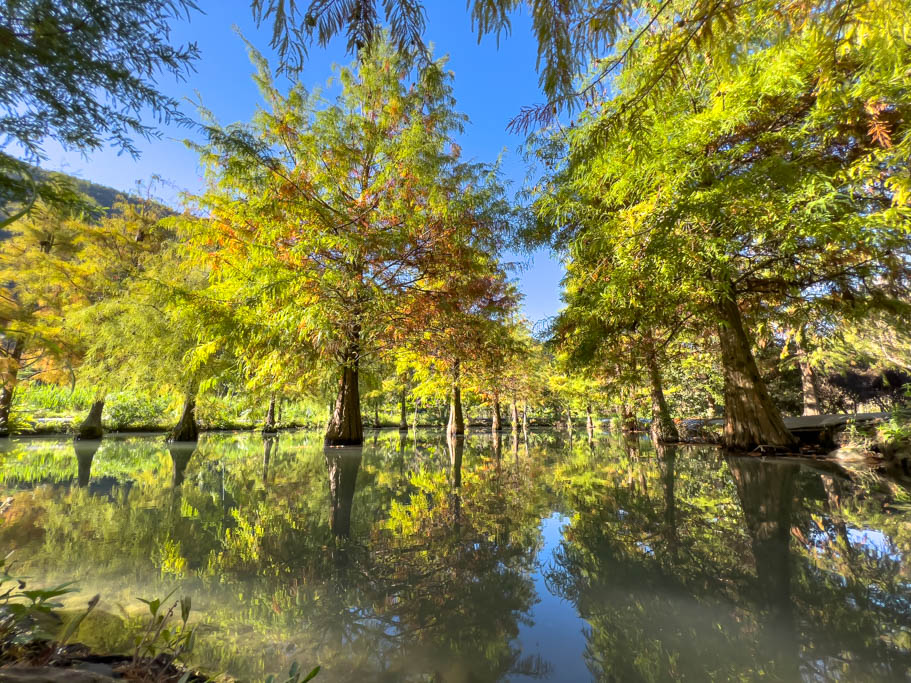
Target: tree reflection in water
x,y
423,557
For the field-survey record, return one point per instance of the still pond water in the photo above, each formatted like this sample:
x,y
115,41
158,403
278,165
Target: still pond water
x,y
511,560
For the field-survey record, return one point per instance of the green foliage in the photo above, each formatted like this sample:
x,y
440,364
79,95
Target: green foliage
x,y
127,409
25,612
295,675
37,397
167,632
81,73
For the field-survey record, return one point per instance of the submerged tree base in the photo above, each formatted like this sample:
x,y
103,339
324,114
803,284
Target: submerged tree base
x,y
91,428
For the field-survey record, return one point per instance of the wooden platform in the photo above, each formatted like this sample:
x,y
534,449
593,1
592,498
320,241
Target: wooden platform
x,y
813,429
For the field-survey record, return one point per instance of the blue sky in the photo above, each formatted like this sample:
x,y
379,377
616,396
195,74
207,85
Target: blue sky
x,y
491,84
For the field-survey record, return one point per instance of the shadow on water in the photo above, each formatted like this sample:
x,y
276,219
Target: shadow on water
x,y
467,559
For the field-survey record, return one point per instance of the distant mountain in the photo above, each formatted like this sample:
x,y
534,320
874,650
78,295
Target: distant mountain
x,y
104,196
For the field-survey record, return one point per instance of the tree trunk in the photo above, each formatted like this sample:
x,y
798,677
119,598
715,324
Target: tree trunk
x,y
514,415
809,383
589,421
90,428
186,428
278,406
269,426
525,416
628,421
456,426
14,356
663,428
376,417
345,426
403,419
569,421
751,419
495,424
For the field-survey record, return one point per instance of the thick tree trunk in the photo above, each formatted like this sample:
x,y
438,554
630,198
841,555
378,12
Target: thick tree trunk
x,y
456,426
495,423
809,383
186,428
403,419
10,378
514,415
345,426
269,426
663,428
85,454
90,428
751,419
343,468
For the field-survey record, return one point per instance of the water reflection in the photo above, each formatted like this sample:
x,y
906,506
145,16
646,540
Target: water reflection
x,y
85,454
427,558
343,464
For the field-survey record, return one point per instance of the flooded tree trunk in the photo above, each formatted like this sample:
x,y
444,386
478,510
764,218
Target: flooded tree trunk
x,y
345,426
85,454
751,419
456,425
269,426
495,423
90,428
186,428
13,349
663,428
403,419
343,467
514,415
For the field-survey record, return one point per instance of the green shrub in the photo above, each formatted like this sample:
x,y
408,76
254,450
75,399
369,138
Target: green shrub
x,y
128,409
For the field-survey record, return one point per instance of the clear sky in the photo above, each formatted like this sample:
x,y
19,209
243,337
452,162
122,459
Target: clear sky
x,y
491,84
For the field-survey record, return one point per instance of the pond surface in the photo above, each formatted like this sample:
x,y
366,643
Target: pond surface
x,y
526,559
